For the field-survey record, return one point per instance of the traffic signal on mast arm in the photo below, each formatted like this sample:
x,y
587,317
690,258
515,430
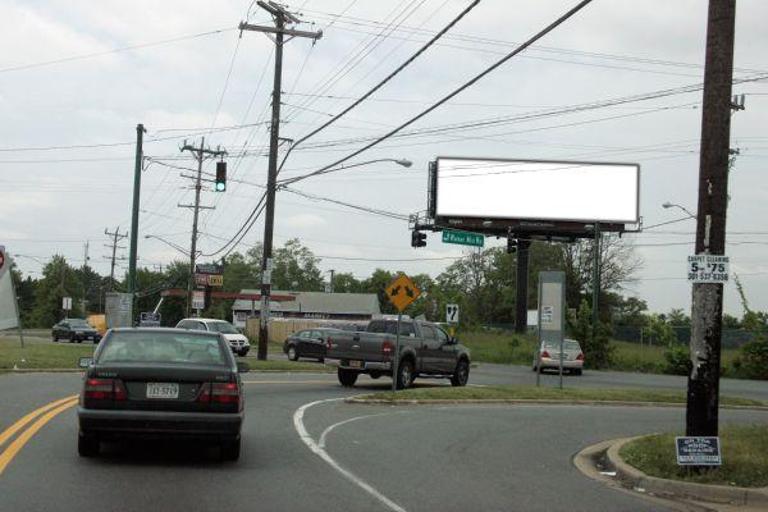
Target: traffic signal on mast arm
x,y
511,245
221,177
418,239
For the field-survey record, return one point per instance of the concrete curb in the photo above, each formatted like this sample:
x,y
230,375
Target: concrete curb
x,y
522,401
634,478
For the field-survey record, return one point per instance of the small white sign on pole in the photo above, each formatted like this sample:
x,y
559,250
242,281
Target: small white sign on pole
x,y
66,303
198,299
452,313
708,268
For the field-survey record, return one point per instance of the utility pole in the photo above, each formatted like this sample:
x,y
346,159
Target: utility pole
x,y
596,280
521,286
281,18
85,277
132,255
116,237
707,303
330,285
200,154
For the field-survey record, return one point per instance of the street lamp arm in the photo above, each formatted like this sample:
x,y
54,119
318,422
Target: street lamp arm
x,y
399,161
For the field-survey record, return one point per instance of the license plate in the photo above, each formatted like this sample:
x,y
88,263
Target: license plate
x,y
355,364
167,390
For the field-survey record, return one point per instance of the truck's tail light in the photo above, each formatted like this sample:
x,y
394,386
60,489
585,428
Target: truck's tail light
x,y
387,348
104,389
328,343
220,393
580,357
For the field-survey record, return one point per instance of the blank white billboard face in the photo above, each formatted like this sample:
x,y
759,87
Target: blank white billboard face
x,y
517,189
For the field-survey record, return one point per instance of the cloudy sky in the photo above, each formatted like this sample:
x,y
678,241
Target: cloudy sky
x,y
76,78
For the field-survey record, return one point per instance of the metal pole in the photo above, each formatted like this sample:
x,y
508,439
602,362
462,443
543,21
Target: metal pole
x,y
540,339
596,282
396,356
269,219
193,248
562,343
135,210
521,302
16,306
707,307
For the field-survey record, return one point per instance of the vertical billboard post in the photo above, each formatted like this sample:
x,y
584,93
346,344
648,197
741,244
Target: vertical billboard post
x,y
551,316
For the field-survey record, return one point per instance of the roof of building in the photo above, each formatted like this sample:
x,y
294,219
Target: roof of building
x,y
318,302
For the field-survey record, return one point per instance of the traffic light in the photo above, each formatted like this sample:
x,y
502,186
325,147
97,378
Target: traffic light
x,y
511,245
418,239
221,177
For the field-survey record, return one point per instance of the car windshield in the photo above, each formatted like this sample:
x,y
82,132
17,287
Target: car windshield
x,y
162,347
78,323
222,327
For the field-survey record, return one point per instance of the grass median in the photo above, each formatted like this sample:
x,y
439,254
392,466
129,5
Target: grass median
x,y
568,395
744,450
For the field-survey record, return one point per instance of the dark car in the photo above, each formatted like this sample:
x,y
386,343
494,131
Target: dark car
x,y
151,383
74,330
308,343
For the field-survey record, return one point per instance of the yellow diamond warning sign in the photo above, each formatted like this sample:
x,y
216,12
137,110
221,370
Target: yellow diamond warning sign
x,y
402,292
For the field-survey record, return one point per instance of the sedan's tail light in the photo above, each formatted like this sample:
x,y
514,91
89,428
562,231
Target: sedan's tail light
x,y
104,389
545,354
220,393
580,357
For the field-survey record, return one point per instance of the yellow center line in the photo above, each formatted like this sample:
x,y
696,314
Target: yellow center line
x,y
7,456
10,431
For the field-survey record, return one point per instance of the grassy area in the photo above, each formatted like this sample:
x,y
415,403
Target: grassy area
x,y
284,365
41,353
546,393
650,358
743,448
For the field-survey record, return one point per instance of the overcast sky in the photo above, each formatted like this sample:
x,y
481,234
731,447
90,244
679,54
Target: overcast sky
x,y
180,86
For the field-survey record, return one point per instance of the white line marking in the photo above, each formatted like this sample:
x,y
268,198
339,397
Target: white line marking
x,y
321,442
298,423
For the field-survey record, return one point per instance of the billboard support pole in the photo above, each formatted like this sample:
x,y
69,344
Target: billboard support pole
x,y
521,285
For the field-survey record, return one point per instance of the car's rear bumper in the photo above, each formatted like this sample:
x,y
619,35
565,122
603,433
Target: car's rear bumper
x,y
366,366
158,424
555,363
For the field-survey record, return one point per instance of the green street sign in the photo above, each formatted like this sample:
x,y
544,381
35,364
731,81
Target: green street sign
x,y
451,236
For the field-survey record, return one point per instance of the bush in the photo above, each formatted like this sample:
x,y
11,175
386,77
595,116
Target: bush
x,y
598,351
678,360
753,361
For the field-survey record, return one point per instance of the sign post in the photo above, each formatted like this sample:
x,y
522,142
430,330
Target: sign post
x,y
401,292
551,315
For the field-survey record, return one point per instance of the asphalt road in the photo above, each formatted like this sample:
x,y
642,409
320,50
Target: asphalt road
x,y
303,450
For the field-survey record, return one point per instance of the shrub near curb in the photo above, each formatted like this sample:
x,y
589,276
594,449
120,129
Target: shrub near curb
x,y
744,450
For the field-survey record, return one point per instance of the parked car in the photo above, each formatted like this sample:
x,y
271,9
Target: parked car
x,y
573,356
158,383
236,339
425,350
74,330
308,343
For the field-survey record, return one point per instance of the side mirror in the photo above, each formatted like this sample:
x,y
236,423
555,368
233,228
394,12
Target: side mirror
x,y
243,367
85,362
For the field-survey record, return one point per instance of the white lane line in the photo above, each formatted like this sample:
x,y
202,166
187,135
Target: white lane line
x,y
324,435
298,423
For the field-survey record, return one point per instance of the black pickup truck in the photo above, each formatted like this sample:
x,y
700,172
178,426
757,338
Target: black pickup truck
x,y
425,351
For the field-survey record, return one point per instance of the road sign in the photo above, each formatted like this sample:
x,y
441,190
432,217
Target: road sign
x,y
708,268
452,313
402,291
208,268
66,303
698,451
149,319
118,308
215,280
198,299
452,236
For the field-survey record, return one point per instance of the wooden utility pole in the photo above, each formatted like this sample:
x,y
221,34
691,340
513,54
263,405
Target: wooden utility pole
x,y
707,307
281,18
133,251
116,237
200,153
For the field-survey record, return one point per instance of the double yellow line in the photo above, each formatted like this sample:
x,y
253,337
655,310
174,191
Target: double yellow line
x,y
42,416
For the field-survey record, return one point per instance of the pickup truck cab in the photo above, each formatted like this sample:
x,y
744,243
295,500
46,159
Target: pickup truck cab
x,y
426,350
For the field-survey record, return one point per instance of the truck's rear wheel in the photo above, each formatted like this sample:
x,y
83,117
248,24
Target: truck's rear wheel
x,y
405,374
347,378
461,374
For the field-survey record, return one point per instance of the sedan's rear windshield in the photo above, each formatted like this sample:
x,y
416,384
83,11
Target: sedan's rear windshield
x,y
162,347
567,345
222,327
78,323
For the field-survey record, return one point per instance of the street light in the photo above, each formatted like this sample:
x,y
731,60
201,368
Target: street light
x,y
399,161
170,244
674,205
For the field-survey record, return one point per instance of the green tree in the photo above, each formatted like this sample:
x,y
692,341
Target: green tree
x,y
346,282
377,284
59,280
295,267
596,343
25,295
678,318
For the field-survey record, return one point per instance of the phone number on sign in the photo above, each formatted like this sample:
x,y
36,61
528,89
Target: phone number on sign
x,y
693,276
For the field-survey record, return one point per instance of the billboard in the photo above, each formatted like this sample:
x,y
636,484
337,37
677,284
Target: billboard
x,y
536,190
